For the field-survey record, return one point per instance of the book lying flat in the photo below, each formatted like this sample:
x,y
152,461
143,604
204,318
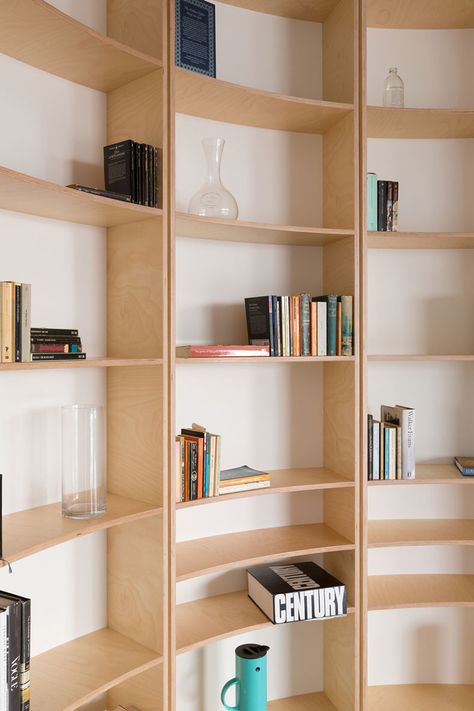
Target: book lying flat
x,y
465,465
221,351
244,472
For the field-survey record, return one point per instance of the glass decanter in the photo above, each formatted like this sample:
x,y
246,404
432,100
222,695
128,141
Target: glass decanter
x,y
394,90
213,200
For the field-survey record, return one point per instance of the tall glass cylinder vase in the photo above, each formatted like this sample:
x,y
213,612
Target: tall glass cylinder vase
x,y
83,461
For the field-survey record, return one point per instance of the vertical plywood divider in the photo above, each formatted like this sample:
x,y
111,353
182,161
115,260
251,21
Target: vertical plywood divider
x,y
339,667
144,691
136,23
339,156
339,43
135,431
342,566
135,581
135,290
340,418
135,111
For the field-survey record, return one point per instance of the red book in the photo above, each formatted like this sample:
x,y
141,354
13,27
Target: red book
x,y
221,351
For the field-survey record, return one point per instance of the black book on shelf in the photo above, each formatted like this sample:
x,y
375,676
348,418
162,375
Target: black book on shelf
x,y
296,592
382,205
54,332
25,651
118,167
58,356
370,447
100,193
196,36
260,326
10,641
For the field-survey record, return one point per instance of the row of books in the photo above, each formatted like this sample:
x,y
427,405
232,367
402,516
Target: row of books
x,y
391,444
301,325
15,652
15,321
382,204
198,455
133,169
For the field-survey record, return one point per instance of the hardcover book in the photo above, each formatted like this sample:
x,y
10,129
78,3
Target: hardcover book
x,y
13,649
382,205
221,351
404,417
331,305
465,465
196,36
296,592
118,174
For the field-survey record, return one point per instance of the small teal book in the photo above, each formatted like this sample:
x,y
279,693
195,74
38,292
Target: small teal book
x,y
331,302
372,202
346,326
306,324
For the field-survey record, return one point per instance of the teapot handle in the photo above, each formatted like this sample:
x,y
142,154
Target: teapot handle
x,y
224,691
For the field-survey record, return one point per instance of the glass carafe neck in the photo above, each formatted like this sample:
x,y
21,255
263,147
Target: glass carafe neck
x,y
213,148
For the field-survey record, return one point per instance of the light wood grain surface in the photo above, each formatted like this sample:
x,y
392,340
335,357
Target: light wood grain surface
x,y
87,363
420,14
85,667
420,240
388,592
198,95
421,532
215,228
385,122
36,33
311,10
429,474
233,550
307,702
33,530
419,357
33,196
421,697
137,24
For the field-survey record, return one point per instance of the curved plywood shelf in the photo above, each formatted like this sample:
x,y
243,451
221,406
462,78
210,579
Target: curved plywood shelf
x,y
33,196
284,481
422,697
419,357
421,532
33,530
420,240
237,550
215,228
87,363
429,474
35,32
72,674
208,620
198,95
294,360
390,592
307,702
386,122
420,14
310,10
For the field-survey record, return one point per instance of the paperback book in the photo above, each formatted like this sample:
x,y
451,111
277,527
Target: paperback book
x,y
296,592
132,169
382,204
232,481
465,465
15,321
197,466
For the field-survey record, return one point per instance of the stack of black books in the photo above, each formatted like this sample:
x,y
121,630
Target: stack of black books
x,y
15,635
133,169
56,344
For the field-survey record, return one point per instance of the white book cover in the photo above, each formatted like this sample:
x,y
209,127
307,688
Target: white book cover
x,y
376,445
405,418
322,328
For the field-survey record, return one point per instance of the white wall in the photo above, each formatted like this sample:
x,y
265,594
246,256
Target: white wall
x,y
422,302
275,177
55,130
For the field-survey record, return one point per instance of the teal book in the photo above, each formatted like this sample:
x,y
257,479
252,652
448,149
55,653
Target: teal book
x,y
331,302
305,324
372,202
347,327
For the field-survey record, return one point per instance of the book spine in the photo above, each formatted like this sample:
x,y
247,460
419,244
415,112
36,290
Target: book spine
x,y
314,328
339,329
408,444
382,205
332,325
244,480
347,325
291,305
7,322
118,167
322,328
25,655
382,451
278,336
4,693
271,328
306,324
376,451
193,471
177,471
212,466
398,433
395,207
146,175
218,465
371,202
156,174
17,322
187,471
25,322
389,206
138,164
58,356
370,447
386,464
243,487
207,463
54,332
14,654
393,453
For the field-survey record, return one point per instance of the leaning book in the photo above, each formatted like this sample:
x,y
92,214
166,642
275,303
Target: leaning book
x,y
296,592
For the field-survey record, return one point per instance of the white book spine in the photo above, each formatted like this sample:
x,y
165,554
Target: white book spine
x,y
392,471
287,325
408,444
244,487
322,328
376,457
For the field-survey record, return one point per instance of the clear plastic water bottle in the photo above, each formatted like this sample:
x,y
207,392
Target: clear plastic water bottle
x,y
394,90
